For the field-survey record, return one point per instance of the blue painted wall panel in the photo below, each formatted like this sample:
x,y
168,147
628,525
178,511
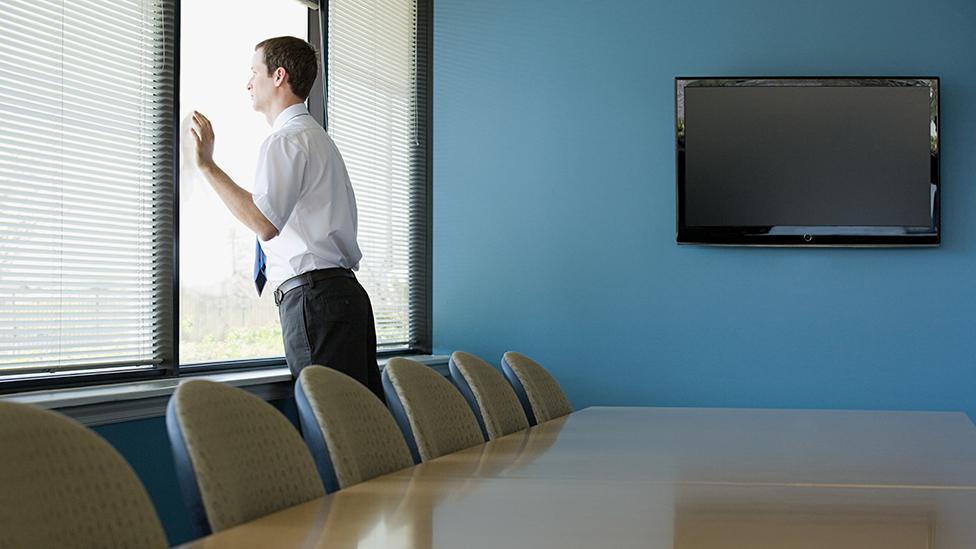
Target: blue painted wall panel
x,y
554,208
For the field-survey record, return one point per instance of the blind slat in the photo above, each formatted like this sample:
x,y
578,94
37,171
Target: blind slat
x,y
86,212
376,111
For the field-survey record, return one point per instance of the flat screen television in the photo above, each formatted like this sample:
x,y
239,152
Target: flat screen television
x,y
825,161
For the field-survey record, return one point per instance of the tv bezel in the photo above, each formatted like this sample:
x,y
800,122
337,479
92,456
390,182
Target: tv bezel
x,y
845,236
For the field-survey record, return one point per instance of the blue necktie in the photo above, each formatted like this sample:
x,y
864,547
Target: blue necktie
x,y
260,278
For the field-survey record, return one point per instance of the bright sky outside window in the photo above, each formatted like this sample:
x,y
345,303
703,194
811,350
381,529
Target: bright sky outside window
x,y
221,316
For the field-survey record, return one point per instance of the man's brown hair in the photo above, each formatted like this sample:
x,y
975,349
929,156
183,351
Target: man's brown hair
x,y
296,56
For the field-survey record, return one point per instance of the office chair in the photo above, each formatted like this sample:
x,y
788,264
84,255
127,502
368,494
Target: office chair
x,y
351,434
237,457
540,394
432,414
490,396
62,485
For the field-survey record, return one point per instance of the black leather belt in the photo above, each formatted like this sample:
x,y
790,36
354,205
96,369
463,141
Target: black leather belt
x,y
307,279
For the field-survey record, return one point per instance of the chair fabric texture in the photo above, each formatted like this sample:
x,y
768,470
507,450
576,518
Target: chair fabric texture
x,y
62,485
429,409
490,396
538,391
351,433
237,457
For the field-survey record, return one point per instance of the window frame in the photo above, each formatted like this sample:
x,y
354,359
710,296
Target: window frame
x,y
170,366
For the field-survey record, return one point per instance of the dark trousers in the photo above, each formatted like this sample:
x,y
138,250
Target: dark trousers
x,y
330,323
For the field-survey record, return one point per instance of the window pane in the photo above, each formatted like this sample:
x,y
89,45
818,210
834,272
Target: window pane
x,y
221,316
85,184
375,118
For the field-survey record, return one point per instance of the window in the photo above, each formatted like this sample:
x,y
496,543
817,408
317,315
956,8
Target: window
x,y
90,192
377,115
375,66
221,316
86,216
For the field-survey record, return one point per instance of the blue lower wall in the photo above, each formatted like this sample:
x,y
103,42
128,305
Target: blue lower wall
x,y
554,208
145,446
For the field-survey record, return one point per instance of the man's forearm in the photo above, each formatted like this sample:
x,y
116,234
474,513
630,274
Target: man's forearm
x,y
239,202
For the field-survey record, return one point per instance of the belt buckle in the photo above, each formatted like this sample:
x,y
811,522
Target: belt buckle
x,y
278,295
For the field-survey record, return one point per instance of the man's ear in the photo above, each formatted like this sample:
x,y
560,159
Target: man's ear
x,y
280,76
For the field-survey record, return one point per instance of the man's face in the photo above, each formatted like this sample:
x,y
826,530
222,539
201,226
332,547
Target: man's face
x,y
261,85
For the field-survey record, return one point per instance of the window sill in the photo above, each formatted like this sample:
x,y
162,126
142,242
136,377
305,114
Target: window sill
x,y
104,404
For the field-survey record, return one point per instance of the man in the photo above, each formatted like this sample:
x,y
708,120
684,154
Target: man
x,y
303,211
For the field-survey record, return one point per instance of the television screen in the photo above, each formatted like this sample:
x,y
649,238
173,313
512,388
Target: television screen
x,y
808,161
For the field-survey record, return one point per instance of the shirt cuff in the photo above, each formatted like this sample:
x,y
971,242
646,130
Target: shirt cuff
x,y
264,206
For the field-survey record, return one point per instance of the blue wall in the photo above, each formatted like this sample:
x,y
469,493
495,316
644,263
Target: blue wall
x,y
145,446
554,208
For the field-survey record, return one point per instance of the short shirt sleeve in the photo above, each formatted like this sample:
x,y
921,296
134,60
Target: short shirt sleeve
x,y
279,177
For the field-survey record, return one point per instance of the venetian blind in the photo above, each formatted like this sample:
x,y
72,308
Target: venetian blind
x,y
86,179
378,56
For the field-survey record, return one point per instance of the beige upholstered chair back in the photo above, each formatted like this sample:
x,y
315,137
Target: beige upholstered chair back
x,y
361,439
434,414
247,459
543,392
494,398
62,485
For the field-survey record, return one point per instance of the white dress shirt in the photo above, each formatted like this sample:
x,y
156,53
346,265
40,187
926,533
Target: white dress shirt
x,y
302,187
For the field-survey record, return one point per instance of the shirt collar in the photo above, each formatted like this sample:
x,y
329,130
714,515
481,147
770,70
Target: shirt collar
x,y
284,116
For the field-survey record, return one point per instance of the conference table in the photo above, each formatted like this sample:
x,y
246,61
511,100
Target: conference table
x,y
668,478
